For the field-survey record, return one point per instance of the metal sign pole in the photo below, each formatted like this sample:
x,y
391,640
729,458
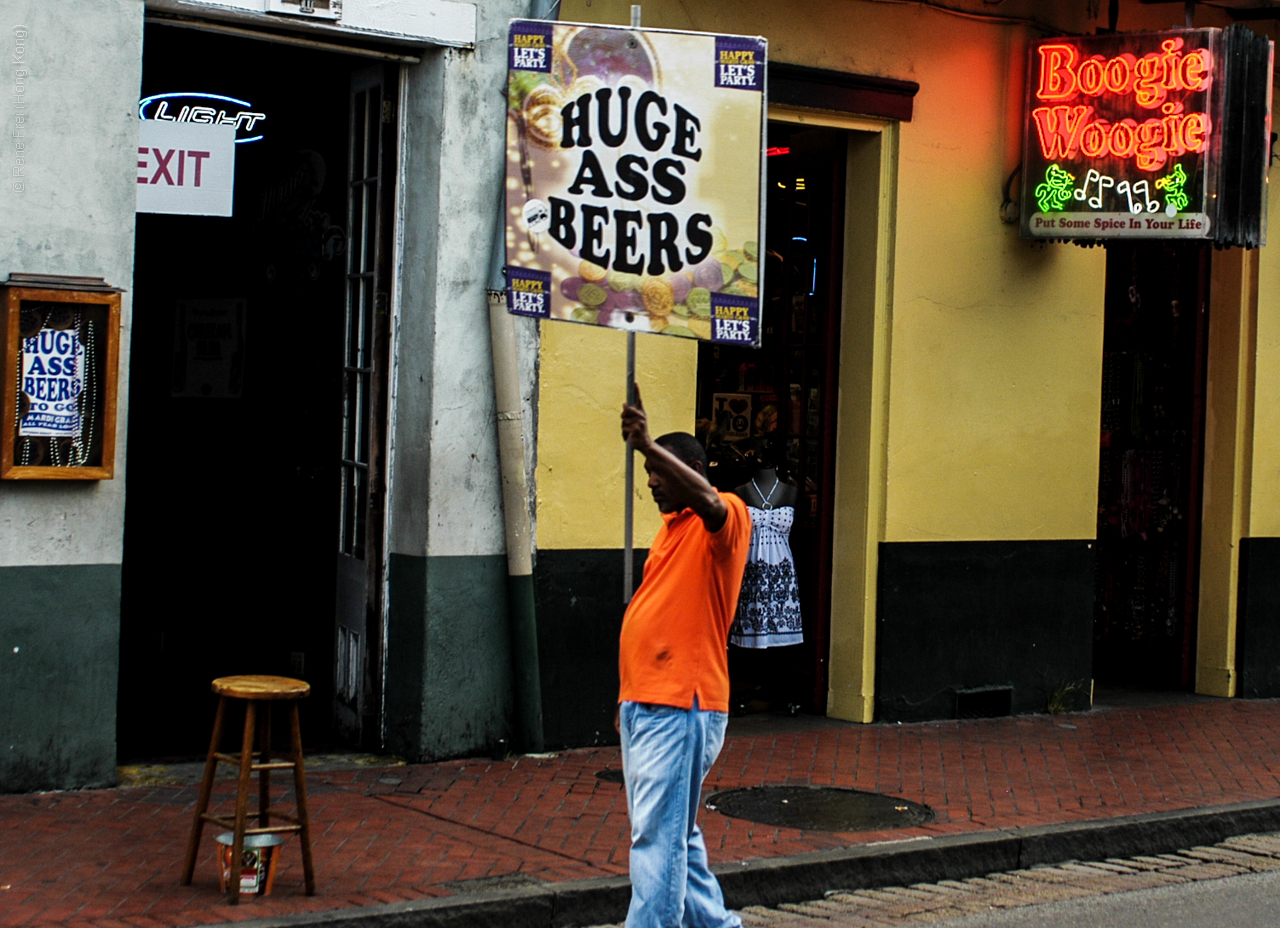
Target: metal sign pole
x,y
628,552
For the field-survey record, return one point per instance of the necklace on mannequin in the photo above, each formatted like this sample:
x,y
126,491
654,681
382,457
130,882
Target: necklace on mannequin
x,y
765,504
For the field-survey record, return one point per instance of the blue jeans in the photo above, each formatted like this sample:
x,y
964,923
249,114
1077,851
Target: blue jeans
x,y
666,753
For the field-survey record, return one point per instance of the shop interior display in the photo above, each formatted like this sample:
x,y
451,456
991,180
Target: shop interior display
x,y
773,408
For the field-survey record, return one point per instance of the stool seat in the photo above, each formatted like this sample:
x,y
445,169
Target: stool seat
x,y
261,686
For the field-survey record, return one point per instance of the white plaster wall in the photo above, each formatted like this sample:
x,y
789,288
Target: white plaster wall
x,y
466,498
446,498
75,216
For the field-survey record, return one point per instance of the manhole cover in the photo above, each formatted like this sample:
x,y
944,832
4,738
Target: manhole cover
x,y
821,808
609,776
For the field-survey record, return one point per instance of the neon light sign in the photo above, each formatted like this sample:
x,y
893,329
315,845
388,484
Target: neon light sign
x,y
1063,75
1148,135
195,107
1065,130
1173,185
1056,191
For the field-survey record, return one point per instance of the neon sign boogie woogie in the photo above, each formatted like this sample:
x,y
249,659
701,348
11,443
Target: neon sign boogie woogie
x,y
1123,135
1148,135
1069,126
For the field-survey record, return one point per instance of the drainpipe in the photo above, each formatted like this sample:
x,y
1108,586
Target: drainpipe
x,y
515,488
515,502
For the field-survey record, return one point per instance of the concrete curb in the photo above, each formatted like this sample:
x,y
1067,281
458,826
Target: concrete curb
x,y
802,877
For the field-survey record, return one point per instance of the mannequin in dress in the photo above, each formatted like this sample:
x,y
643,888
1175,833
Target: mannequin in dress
x,y
769,604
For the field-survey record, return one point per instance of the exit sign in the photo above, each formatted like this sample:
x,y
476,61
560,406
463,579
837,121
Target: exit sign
x,y
186,168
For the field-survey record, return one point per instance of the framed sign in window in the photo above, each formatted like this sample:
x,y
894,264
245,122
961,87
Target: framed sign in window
x,y
61,347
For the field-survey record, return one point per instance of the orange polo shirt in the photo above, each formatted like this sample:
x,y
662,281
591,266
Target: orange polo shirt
x,y
675,634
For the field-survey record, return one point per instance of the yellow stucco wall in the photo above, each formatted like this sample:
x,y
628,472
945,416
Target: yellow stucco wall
x,y
997,342
1264,519
581,458
984,376
996,351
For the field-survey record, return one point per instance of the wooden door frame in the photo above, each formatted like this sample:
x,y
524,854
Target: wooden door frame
x,y
860,460
369,720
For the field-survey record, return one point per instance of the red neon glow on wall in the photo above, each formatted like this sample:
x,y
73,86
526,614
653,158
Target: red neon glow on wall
x,y
1068,131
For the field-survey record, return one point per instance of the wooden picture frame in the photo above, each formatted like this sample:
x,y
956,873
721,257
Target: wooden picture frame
x,y
60,340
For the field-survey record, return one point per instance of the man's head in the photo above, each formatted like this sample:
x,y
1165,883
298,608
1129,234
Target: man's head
x,y
690,451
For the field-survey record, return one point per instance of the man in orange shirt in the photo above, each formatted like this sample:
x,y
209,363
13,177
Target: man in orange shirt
x,y
673,666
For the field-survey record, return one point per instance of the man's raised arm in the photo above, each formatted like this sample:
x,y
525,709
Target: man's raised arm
x,y
682,484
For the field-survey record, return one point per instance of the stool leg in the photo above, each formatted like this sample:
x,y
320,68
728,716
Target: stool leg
x,y
300,790
264,776
206,790
242,800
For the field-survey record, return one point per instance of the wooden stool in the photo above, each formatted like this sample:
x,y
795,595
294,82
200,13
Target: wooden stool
x,y
255,690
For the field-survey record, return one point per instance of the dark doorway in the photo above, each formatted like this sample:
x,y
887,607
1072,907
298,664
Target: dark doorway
x,y
776,406
235,402
1150,473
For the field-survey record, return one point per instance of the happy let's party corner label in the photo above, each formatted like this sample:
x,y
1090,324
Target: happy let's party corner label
x,y
739,62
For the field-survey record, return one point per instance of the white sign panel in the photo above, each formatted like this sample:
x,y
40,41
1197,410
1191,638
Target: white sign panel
x,y
633,178
186,168
52,380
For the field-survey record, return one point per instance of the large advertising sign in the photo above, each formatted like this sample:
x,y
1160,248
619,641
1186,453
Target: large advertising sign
x,y
634,160
1126,135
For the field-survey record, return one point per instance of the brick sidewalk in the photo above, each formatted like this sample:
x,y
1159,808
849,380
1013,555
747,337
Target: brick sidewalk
x,y
111,858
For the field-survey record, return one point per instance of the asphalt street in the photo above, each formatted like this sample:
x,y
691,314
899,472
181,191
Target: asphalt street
x,y
1233,902
1232,884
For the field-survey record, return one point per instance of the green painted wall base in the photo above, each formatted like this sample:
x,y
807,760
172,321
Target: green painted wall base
x,y
579,617
969,628
449,682
59,665
1258,631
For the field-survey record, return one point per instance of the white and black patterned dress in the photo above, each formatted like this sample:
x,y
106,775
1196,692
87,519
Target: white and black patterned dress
x,y
769,604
